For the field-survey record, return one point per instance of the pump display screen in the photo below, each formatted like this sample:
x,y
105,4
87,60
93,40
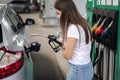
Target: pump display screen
x,y
1,37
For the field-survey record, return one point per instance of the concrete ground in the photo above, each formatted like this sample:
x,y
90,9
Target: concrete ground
x,y
48,65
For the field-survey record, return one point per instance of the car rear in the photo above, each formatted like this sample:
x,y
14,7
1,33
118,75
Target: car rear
x,y
13,61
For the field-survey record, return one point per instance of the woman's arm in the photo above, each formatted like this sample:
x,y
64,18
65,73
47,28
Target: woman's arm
x,y
70,45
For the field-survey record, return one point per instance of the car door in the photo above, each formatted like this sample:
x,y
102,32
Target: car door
x,y
17,6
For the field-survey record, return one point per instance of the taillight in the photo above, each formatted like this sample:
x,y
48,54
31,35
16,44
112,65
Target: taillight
x,y
10,62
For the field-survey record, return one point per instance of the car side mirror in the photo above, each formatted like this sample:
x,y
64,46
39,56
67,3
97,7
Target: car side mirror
x,y
29,21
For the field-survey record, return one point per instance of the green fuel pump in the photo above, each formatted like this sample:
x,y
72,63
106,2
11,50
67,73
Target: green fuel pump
x,y
107,36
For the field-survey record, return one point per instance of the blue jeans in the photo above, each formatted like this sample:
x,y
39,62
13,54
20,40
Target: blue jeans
x,y
80,72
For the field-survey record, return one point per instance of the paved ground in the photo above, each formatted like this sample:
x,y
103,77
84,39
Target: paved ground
x,y
48,65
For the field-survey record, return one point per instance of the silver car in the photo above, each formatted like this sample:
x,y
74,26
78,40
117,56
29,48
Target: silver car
x,y
21,6
15,60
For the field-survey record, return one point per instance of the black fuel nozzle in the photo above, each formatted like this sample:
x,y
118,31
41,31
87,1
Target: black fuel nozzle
x,y
54,43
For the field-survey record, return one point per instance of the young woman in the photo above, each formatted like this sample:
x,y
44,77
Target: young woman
x,y
76,40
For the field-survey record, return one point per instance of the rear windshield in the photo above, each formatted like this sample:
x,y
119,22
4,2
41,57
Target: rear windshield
x,y
1,37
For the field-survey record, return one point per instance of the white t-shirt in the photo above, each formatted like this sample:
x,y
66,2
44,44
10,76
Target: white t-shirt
x,y
81,53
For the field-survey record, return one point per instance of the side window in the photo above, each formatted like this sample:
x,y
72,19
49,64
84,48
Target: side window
x,y
15,2
11,23
22,2
17,23
1,37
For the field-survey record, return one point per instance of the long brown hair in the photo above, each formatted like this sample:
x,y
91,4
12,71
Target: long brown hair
x,y
70,15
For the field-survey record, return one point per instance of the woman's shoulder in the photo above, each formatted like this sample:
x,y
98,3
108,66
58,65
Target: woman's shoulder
x,y
73,26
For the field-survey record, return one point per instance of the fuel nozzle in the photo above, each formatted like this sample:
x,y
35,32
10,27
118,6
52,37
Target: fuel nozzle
x,y
54,43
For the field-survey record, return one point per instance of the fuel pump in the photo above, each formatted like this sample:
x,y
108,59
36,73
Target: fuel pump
x,y
105,38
